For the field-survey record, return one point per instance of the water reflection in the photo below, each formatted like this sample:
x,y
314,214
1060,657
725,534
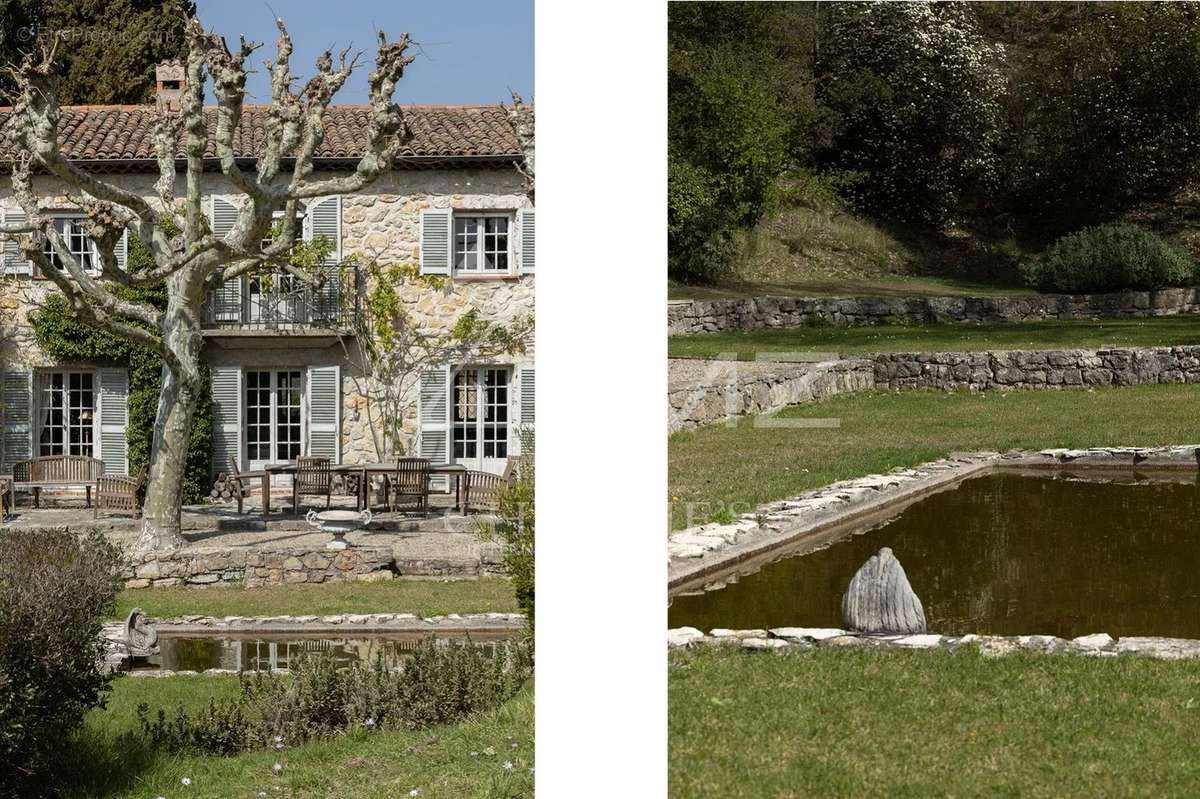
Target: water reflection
x,y
1004,554
275,653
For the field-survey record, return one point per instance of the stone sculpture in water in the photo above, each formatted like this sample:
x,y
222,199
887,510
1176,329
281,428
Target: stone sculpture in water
x,y
880,599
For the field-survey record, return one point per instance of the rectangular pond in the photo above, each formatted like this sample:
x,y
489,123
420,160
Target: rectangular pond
x,y
276,652
1007,553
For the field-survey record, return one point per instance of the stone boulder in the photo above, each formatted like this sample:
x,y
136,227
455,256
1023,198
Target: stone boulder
x,y
880,599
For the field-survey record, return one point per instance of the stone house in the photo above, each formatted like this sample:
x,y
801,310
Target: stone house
x,y
283,381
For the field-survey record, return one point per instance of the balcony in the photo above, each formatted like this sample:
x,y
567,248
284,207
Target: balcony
x,y
285,304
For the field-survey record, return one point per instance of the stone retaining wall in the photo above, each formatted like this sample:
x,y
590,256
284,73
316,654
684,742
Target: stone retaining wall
x,y
251,567
753,313
702,392
800,638
1037,368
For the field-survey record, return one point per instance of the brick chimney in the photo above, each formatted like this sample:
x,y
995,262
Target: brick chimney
x,y
171,79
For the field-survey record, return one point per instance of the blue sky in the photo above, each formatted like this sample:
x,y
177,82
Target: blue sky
x,y
470,51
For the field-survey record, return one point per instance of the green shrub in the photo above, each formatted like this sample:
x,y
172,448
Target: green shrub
x,y
441,683
1110,258
55,588
513,527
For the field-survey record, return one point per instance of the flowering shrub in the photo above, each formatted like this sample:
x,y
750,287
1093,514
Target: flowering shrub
x,y
915,91
440,683
55,588
1111,258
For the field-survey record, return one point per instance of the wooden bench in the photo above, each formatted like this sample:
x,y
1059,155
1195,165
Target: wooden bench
x,y
57,471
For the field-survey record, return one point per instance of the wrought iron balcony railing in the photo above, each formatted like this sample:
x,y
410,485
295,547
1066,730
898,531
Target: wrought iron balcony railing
x,y
282,301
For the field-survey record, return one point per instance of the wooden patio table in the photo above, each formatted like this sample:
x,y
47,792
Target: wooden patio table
x,y
365,471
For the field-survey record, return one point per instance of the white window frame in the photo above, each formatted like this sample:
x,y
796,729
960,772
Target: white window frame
x,y
43,386
272,413
511,251
479,423
93,252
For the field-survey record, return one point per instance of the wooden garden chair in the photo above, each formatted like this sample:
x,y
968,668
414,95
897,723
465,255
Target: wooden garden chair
x,y
118,493
313,478
482,494
409,484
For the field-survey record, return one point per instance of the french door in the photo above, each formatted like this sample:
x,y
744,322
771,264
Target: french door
x,y
479,418
274,416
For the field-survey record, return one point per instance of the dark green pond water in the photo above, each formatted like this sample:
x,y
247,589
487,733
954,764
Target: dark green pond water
x,y
1003,554
274,653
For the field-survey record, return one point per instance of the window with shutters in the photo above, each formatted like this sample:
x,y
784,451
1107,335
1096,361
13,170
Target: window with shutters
x,y
78,243
482,244
67,413
479,414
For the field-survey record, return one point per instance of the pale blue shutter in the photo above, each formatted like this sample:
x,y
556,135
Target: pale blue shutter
x,y
525,406
433,414
16,394
526,234
227,299
227,417
14,262
121,251
325,220
325,412
436,234
114,417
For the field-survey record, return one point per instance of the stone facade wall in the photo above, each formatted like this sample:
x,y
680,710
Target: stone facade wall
x,y
382,221
753,313
977,371
704,392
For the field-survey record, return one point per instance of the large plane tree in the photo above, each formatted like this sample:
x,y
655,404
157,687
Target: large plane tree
x,y
175,230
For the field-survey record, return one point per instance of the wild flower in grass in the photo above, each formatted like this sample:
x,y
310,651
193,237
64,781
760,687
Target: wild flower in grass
x,y
186,780
369,724
277,768
474,754
415,792
490,752
508,765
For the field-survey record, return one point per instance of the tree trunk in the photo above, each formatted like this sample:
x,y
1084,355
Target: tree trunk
x,y
181,390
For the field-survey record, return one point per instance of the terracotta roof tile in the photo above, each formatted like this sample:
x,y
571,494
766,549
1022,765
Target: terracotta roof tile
x,y
122,133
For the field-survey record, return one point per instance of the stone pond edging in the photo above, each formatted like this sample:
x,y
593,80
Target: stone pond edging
x,y
753,313
815,518
801,638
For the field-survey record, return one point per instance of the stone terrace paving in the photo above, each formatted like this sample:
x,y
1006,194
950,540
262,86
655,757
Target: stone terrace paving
x,y
226,547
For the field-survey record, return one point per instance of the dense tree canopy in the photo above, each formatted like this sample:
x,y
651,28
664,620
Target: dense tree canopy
x,y
108,48
1034,118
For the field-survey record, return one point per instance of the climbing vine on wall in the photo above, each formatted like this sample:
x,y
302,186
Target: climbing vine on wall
x,y
66,339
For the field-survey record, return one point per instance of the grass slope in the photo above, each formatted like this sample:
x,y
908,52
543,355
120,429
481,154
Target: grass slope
x,y
738,467
1156,332
861,723
422,597
110,759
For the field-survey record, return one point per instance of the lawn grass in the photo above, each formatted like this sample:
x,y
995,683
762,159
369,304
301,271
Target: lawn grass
x,y
963,337
865,723
110,759
422,597
723,469
883,285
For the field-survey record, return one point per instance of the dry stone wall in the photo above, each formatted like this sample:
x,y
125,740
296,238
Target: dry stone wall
x,y
978,371
704,392
753,313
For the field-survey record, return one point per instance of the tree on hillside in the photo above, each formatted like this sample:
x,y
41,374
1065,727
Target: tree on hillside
x,y
194,262
107,48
